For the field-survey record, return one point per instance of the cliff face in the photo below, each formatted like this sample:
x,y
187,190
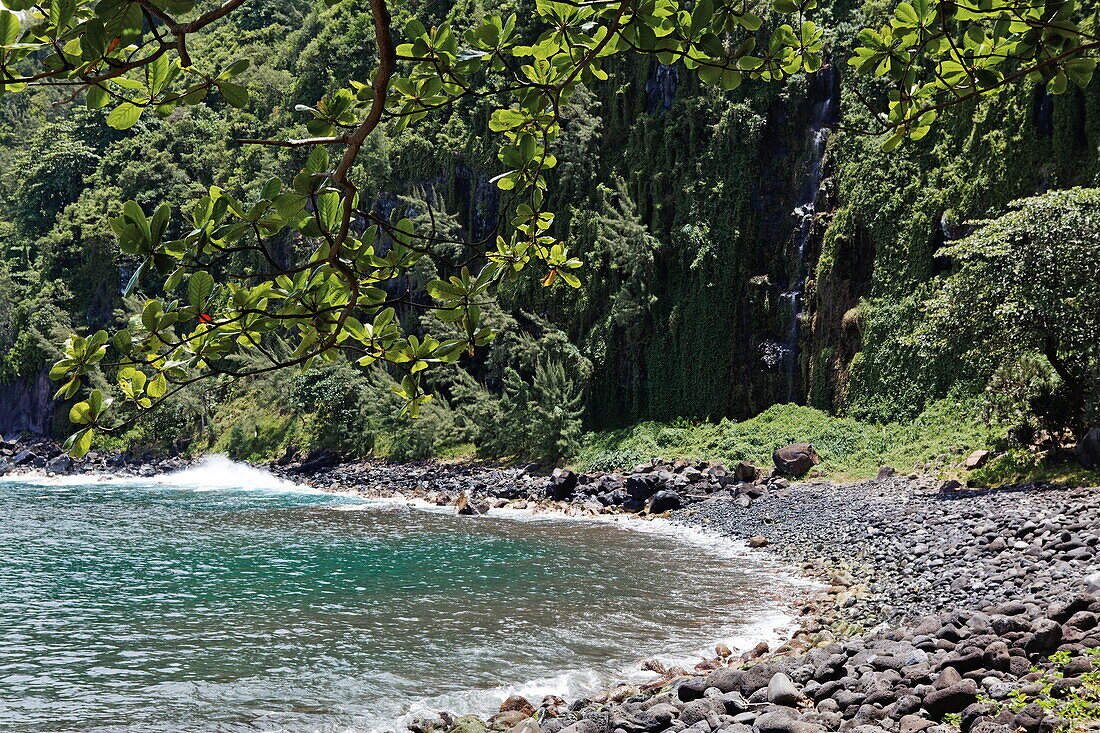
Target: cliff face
x,y
26,406
739,253
815,247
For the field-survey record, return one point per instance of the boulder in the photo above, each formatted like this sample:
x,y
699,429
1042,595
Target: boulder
x,y
60,464
468,724
758,541
23,458
1087,449
664,501
949,486
795,459
782,691
782,722
527,725
562,486
507,720
735,702
508,490
289,456
977,459
1046,636
745,472
725,679
317,460
429,725
517,703
642,486
886,471
698,710
465,507
951,699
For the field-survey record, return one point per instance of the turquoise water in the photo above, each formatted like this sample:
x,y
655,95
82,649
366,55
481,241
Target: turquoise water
x,y
223,600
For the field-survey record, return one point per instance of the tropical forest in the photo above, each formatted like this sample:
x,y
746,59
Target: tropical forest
x,y
781,318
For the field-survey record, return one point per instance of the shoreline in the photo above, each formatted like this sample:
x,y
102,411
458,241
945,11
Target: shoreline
x,y
946,610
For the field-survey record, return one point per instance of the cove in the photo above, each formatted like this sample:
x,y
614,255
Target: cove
x,y
222,599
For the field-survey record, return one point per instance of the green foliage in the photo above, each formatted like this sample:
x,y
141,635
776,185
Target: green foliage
x,y
32,322
334,298
849,448
1027,282
1079,706
538,419
1018,466
663,207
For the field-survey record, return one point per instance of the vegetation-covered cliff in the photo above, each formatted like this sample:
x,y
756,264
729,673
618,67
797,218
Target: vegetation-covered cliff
x,y
740,251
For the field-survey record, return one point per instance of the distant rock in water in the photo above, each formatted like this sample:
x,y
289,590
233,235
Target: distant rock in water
x,y
664,501
563,484
316,460
465,507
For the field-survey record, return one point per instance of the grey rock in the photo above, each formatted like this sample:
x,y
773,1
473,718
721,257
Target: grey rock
x,y
725,679
778,722
783,691
951,699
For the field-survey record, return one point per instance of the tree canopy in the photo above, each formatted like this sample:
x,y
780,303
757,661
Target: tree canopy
x,y
227,288
1029,282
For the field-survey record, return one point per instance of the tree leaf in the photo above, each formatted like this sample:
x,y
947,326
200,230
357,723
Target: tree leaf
x,y
10,28
96,97
124,116
234,94
199,288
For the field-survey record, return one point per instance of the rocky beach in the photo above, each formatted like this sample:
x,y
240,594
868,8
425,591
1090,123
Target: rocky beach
x,y
944,608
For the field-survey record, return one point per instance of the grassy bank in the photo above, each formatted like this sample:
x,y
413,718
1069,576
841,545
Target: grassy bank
x,y
937,441
253,427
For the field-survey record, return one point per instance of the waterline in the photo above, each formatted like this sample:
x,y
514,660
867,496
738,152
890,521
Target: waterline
x,y
180,603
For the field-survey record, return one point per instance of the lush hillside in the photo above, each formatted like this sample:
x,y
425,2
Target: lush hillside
x,y
739,253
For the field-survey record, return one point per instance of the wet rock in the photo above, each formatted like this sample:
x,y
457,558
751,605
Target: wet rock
x,y
563,484
468,724
664,501
439,722
465,507
517,703
757,541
